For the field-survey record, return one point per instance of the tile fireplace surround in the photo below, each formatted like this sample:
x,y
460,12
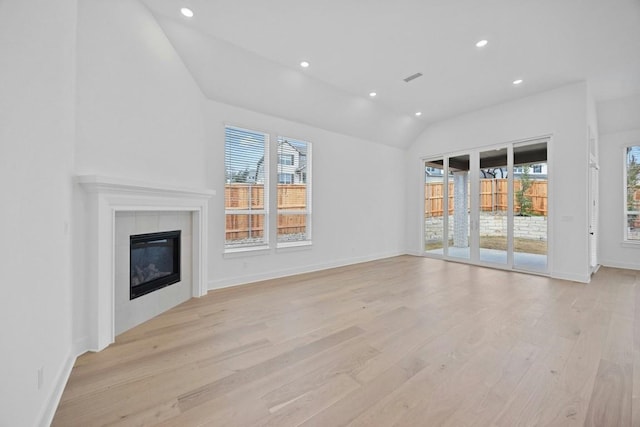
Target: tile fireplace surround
x,y
105,197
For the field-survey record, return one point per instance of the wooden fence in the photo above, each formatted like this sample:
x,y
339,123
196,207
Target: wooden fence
x,y
243,196
493,197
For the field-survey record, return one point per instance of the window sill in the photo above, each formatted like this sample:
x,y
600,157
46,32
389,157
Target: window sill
x,y
287,245
247,250
630,244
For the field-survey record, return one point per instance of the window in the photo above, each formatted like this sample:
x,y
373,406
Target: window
x,y
632,190
537,168
246,192
294,192
285,178
285,159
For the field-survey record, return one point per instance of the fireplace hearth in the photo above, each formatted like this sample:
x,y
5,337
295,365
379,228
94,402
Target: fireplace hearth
x,y
154,262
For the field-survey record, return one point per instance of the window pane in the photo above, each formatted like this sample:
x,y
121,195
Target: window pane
x,y
244,156
294,190
633,193
530,187
285,178
244,230
246,187
459,186
434,207
286,159
241,196
493,204
292,228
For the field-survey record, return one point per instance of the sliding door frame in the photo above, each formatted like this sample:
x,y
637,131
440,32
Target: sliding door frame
x,y
474,205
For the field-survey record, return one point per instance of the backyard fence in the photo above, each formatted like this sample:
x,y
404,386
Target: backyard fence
x,y
493,196
242,196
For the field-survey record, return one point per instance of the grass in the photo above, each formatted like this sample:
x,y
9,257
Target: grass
x,y
520,244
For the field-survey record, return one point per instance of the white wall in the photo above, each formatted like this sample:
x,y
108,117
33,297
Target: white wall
x,y
37,84
561,113
142,117
592,124
139,114
619,126
619,115
358,204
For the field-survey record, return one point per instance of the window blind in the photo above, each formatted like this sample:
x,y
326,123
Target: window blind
x,y
246,187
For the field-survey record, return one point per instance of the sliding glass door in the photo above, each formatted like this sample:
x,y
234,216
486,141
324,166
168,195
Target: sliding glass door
x,y
459,217
447,207
530,205
493,230
489,206
435,217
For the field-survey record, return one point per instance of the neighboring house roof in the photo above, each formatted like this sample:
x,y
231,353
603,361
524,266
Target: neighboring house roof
x,y
301,150
302,155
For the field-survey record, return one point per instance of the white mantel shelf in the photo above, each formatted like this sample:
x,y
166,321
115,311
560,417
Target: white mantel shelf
x,y
98,183
105,197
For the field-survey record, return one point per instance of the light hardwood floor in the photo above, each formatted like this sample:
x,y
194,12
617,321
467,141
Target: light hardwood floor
x,y
402,341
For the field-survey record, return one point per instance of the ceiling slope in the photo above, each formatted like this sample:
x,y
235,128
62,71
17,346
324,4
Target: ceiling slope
x,y
248,52
232,75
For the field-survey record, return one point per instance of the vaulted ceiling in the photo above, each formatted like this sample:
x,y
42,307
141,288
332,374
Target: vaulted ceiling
x,y
248,53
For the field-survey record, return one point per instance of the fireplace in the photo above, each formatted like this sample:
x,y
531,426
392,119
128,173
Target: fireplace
x,y
154,262
108,197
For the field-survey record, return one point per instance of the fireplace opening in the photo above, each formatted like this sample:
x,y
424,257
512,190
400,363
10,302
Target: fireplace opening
x,y
154,262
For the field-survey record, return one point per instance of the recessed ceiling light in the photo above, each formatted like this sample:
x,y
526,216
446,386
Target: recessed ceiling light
x,y
517,82
185,11
418,113
304,64
372,94
482,43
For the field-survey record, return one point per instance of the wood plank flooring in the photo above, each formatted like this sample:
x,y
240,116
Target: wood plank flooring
x,y
403,341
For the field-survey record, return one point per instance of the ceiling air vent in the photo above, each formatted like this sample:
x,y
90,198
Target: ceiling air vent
x,y
412,77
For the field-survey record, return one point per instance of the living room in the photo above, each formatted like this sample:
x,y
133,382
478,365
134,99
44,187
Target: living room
x,y
120,94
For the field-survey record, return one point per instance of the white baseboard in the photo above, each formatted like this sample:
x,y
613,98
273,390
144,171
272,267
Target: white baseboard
x,y
242,280
582,278
56,394
81,346
618,264
415,253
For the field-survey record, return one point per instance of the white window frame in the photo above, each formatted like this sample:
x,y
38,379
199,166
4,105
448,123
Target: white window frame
x,y
265,211
625,211
309,184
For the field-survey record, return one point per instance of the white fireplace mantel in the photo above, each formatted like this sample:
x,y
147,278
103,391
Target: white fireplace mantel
x,y
105,197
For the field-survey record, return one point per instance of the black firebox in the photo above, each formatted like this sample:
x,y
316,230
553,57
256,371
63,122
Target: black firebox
x,y
154,262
